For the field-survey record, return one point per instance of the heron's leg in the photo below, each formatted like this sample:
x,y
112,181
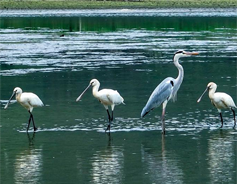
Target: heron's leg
x,y
221,120
163,121
234,117
163,116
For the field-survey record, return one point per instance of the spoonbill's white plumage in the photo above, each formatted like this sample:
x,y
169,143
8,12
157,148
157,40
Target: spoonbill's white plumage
x,y
167,89
27,100
107,97
219,100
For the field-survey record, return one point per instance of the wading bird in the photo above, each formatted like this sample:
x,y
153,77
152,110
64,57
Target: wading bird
x,y
219,100
107,97
27,100
167,89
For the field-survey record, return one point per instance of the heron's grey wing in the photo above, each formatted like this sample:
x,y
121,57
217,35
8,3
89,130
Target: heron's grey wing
x,y
161,93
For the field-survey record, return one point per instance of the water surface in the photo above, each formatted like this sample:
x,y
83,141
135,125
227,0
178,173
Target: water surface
x,y
56,53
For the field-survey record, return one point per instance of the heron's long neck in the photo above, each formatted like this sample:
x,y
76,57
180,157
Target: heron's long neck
x,y
180,77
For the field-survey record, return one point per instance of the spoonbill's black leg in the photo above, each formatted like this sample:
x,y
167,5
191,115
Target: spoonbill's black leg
x,y
31,118
234,117
109,117
29,122
221,120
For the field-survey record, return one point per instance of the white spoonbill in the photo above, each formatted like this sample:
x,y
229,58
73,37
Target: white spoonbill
x,y
219,100
107,97
167,89
27,100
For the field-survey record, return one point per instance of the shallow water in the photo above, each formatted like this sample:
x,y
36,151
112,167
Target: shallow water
x,y
127,50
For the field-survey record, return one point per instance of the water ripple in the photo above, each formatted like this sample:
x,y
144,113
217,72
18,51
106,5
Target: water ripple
x,y
188,125
89,49
207,12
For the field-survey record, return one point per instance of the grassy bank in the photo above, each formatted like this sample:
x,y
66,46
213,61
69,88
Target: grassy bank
x,y
90,4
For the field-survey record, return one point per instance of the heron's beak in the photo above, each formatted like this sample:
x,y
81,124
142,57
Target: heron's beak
x,y
83,93
202,95
13,94
191,53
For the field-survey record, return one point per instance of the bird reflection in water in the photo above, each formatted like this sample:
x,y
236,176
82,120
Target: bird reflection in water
x,y
108,164
222,158
28,164
160,166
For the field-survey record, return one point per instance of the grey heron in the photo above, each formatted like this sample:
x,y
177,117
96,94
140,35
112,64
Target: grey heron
x,y
167,89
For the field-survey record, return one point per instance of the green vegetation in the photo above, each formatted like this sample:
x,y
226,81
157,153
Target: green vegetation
x,y
90,4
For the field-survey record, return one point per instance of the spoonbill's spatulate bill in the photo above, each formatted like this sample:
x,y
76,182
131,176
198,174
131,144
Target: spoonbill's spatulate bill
x,y
219,100
107,97
167,89
27,100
